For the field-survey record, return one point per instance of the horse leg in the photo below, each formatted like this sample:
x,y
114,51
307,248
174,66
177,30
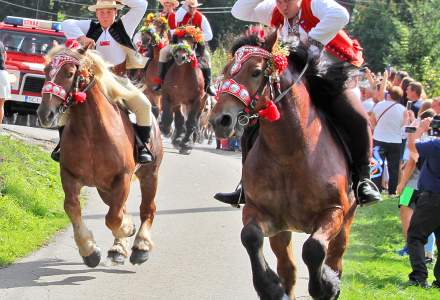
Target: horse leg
x,y
337,246
117,220
90,253
266,282
179,122
167,116
281,245
191,125
143,243
323,281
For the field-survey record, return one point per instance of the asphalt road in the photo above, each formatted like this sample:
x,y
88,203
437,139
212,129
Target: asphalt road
x,y
197,254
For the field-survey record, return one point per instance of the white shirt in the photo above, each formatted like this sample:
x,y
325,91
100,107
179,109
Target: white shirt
x,y
368,104
5,85
333,17
106,45
389,127
206,27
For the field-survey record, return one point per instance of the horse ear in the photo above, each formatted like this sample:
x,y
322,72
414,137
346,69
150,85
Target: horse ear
x,y
270,41
82,50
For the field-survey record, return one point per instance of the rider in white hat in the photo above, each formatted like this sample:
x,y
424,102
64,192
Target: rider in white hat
x,y
112,38
188,14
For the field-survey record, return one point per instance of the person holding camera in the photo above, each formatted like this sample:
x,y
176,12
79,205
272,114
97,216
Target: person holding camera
x,y
425,218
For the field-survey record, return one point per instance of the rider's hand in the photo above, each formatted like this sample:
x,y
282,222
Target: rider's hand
x,y
86,42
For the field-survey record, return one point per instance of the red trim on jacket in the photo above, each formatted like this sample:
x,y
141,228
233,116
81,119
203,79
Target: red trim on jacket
x,y
341,46
196,20
172,20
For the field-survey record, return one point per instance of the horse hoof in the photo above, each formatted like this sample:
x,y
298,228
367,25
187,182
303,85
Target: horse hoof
x,y
93,259
185,151
138,257
116,257
133,232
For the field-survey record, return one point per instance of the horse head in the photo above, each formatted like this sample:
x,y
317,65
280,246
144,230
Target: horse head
x,y
186,38
154,30
67,77
247,84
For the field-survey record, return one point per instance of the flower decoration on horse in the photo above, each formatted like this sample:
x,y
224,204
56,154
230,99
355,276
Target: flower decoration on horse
x,y
187,37
156,19
189,31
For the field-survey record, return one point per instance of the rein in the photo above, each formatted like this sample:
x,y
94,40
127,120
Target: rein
x,y
271,81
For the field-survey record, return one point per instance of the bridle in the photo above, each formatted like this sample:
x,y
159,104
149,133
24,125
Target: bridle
x,y
84,80
271,81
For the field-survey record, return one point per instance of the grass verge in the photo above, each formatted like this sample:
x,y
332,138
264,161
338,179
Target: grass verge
x,y
372,269
31,199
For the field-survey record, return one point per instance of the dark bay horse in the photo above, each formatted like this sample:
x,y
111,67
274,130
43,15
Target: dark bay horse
x,y
97,149
295,176
154,35
183,86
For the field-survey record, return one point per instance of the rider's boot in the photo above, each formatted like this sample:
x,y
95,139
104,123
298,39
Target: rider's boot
x,y
366,191
235,198
162,73
55,155
207,76
144,154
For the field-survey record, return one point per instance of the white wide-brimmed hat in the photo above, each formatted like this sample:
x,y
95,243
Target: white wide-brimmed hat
x,y
105,4
192,3
175,2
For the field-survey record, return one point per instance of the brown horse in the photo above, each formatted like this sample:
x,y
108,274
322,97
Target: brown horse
x,y
97,149
153,37
183,86
295,176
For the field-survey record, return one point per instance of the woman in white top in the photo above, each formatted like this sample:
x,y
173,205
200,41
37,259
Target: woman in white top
x,y
5,85
389,117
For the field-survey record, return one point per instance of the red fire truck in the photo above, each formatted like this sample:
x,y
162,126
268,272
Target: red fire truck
x,y
26,42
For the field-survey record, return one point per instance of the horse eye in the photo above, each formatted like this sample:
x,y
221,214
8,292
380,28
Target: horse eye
x,y
257,73
70,74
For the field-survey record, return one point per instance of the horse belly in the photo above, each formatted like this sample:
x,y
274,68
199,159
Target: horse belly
x,y
289,198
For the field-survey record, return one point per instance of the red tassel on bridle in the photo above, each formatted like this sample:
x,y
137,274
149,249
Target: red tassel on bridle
x,y
270,113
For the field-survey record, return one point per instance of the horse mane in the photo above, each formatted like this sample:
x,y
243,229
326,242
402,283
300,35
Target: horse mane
x,y
105,79
323,81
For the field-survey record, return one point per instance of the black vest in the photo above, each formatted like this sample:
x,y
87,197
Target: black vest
x,y
117,31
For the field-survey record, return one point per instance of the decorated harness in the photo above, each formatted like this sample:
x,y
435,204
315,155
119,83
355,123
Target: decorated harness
x,y
277,63
83,81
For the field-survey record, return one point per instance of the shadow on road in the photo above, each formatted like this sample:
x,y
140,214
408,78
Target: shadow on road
x,y
38,273
170,212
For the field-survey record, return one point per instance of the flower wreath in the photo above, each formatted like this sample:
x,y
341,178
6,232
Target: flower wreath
x,y
156,18
184,46
192,31
278,62
151,31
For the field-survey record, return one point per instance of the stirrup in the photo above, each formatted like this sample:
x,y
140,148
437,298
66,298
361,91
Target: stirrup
x,y
148,153
372,185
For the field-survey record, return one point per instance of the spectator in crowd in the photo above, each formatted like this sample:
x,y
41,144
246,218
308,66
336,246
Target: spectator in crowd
x,y
366,96
407,189
388,120
436,105
5,85
404,85
414,94
392,75
425,218
399,77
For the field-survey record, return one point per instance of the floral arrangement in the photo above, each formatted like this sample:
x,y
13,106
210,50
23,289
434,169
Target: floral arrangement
x,y
158,19
151,30
195,33
278,62
185,47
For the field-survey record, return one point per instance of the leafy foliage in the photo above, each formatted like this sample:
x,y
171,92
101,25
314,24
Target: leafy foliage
x,y
403,34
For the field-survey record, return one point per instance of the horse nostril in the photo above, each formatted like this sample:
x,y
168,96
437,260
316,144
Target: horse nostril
x,y
226,121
